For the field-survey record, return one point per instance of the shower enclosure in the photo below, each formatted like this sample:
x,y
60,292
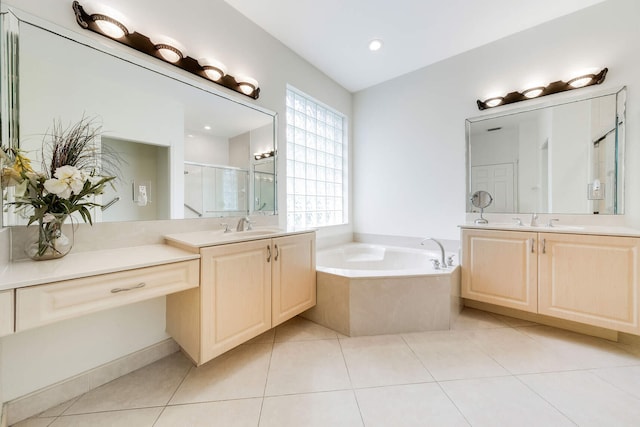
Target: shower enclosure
x,y
215,191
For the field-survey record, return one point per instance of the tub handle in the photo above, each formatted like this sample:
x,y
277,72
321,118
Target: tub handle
x,y
277,253
532,245
268,253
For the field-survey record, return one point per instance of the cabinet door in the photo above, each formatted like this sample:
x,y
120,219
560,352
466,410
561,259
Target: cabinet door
x,y
6,312
294,276
590,279
500,267
235,294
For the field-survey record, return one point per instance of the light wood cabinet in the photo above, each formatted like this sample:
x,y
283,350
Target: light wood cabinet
x,y
43,304
236,295
245,289
293,276
500,267
6,312
589,279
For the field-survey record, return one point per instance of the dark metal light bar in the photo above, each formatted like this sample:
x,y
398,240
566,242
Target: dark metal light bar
x,y
143,44
551,88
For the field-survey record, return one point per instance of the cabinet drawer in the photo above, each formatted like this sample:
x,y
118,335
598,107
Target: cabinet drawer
x,y
6,312
39,305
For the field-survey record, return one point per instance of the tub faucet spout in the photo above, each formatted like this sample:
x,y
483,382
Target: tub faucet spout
x,y
443,261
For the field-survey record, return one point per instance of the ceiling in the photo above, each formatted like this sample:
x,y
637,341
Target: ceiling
x,y
333,35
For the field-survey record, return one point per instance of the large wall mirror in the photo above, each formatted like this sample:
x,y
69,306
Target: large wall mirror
x,y
188,152
565,158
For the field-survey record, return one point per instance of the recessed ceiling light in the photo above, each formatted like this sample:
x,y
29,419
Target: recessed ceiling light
x,y
375,45
207,127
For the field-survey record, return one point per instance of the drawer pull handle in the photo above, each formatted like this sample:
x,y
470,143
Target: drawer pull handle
x,y
544,246
138,286
532,245
268,253
277,253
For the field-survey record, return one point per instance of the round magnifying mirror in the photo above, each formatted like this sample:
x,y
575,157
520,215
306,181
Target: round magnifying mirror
x,y
481,199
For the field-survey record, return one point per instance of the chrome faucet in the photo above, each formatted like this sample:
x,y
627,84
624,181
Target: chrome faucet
x,y
443,261
534,219
242,222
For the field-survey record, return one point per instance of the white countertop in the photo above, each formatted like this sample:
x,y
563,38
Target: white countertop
x,y
600,230
83,264
200,239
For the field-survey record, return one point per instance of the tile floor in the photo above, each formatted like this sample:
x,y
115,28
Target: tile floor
x,y
489,370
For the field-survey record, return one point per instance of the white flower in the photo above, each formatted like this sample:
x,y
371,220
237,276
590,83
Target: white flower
x,y
68,180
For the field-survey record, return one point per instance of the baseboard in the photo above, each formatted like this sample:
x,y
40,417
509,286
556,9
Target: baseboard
x,y
39,401
581,328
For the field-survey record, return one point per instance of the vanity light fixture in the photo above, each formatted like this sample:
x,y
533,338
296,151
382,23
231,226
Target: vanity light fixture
x,y
494,102
165,51
247,84
551,88
265,155
214,70
111,27
168,52
534,92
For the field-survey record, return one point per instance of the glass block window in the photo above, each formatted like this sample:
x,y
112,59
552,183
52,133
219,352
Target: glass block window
x,y
316,152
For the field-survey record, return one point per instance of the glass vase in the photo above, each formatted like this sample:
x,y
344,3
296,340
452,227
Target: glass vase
x,y
51,242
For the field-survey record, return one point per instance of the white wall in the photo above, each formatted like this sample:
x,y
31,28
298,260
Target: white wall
x,y
245,49
409,138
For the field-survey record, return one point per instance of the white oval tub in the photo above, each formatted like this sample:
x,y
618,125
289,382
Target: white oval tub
x,y
365,289
365,260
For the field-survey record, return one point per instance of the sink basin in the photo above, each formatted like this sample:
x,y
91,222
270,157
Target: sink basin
x,y
562,227
257,232
201,239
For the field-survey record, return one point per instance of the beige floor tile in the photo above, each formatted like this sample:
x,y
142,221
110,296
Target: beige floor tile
x,y
512,321
299,329
307,366
519,353
35,422
452,355
264,338
471,318
625,378
408,405
59,409
586,399
335,409
382,360
229,413
584,351
502,401
150,386
237,374
129,418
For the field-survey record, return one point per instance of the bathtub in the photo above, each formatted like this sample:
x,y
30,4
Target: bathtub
x,y
365,289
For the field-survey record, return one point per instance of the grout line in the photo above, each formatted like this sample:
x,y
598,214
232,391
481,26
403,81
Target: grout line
x,y
517,377
174,393
353,390
266,380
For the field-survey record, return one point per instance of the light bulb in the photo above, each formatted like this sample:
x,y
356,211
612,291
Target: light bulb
x,y
109,26
375,45
169,52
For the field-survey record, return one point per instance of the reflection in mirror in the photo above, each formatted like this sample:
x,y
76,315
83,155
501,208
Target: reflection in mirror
x,y
188,152
481,199
565,158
